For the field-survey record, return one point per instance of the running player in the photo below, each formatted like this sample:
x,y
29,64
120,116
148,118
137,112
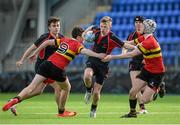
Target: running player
x,y
104,42
54,33
54,67
152,73
136,63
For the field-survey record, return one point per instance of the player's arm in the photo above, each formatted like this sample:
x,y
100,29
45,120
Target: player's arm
x,y
46,43
119,43
133,53
89,52
25,55
133,42
128,46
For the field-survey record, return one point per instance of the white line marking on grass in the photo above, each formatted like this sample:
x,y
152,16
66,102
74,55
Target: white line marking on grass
x,y
91,124
82,107
109,113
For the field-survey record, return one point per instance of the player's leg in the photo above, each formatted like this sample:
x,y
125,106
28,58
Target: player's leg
x,y
162,90
133,75
148,95
25,95
57,92
141,103
35,82
65,90
100,76
88,74
96,98
138,85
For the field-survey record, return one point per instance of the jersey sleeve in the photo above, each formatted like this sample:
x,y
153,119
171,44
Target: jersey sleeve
x,y
139,40
144,47
79,47
119,43
39,41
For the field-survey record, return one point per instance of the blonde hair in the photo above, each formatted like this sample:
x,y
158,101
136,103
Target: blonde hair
x,y
106,19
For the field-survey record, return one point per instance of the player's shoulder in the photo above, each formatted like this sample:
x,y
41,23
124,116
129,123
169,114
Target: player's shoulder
x,y
44,35
113,35
60,35
69,40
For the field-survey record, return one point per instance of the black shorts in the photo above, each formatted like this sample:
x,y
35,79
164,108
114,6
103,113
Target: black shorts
x,y
37,64
48,70
100,70
153,80
135,65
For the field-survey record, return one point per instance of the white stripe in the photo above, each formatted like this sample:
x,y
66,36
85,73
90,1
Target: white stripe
x,y
107,113
81,107
91,124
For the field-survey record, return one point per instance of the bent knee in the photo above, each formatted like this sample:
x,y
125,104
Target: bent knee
x,y
146,100
132,93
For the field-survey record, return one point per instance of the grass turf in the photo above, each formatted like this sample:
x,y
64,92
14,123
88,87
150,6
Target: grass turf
x,y
42,110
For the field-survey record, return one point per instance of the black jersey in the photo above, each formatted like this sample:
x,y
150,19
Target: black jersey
x,y
49,50
132,36
105,44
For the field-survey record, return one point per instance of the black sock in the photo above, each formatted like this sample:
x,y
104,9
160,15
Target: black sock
x,y
93,107
88,89
133,104
60,111
142,106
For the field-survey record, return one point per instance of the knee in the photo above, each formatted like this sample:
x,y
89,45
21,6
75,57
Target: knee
x,y
145,100
68,87
96,92
132,93
87,76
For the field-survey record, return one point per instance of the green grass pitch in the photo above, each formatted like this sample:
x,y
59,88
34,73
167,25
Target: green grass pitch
x,y
42,110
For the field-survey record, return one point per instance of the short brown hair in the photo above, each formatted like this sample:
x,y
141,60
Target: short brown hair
x,y
106,19
53,19
77,31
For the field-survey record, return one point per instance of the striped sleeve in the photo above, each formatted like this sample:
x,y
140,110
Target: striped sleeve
x,y
139,40
80,48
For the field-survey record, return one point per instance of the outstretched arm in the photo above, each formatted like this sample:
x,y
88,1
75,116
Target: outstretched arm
x,y
42,46
128,46
25,55
133,53
89,52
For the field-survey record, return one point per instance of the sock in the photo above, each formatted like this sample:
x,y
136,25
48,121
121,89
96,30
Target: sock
x,y
93,107
141,106
60,111
133,104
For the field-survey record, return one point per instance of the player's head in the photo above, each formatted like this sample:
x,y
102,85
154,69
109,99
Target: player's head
x,y
77,33
54,25
138,22
149,26
105,24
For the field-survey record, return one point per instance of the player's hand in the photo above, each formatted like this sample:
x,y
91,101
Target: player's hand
x,y
124,50
107,58
19,63
102,55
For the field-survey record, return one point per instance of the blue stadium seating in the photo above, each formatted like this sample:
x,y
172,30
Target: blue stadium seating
x,y
165,12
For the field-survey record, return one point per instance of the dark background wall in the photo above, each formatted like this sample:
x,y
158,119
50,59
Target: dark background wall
x,y
116,83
